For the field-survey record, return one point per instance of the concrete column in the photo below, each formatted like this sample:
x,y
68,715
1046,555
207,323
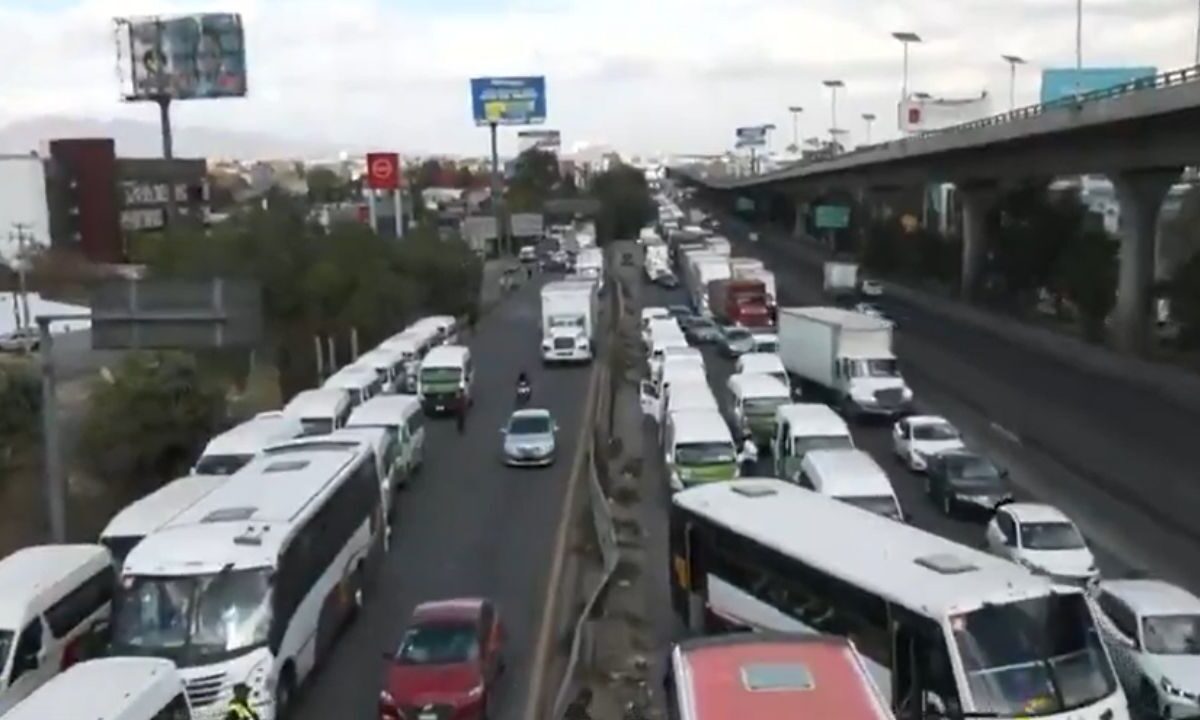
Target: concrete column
x,y
977,201
1140,195
799,228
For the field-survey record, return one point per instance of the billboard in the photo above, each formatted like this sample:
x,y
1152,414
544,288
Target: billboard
x,y
752,136
918,114
1059,83
509,100
182,57
547,140
383,171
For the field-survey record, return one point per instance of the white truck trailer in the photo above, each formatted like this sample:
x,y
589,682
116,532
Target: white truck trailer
x,y
846,356
569,309
841,280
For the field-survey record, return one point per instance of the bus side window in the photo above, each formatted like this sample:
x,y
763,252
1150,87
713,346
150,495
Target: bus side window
x,y
934,668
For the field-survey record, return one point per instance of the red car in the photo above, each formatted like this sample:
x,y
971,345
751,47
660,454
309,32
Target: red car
x,y
447,664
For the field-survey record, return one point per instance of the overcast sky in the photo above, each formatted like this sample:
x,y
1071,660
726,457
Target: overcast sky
x,y
641,75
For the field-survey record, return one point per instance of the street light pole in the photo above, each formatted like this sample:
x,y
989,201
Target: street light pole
x,y
795,110
869,118
833,86
1078,43
905,38
1013,61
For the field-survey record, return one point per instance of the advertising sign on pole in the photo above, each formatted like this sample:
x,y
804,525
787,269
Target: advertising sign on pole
x,y
832,217
509,100
918,114
546,140
1059,83
383,171
752,136
183,57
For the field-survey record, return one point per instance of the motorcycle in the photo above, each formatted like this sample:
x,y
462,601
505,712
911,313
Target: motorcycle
x,y
524,392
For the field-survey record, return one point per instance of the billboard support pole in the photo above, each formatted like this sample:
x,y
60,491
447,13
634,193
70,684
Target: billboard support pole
x,y
372,214
399,214
164,116
56,492
501,235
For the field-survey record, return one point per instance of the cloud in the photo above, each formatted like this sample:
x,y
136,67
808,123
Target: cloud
x,y
642,75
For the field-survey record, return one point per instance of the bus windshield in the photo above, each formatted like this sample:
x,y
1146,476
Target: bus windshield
x,y
705,453
804,443
194,619
441,375
1033,657
763,406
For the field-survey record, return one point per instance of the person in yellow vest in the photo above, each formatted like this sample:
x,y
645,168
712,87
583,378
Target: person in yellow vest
x,y
239,706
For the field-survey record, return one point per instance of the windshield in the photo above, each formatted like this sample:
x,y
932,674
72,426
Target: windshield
x,y
874,368
1050,536
316,426
709,453
763,406
934,431
566,321
440,375
884,505
440,644
194,619
537,425
819,442
737,334
1033,657
972,470
1164,635
767,346
221,464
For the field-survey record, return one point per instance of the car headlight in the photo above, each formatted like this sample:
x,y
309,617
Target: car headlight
x,y
906,393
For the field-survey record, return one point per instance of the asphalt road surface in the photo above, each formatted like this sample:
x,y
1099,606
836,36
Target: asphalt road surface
x,y
467,525
1122,461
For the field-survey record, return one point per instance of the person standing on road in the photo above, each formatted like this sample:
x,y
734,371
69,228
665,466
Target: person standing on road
x,y
239,706
748,457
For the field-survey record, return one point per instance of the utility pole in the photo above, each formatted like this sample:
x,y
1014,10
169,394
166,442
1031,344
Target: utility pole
x,y
20,233
1013,61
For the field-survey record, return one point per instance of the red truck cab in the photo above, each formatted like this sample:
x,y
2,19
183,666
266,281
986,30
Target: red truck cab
x,y
740,302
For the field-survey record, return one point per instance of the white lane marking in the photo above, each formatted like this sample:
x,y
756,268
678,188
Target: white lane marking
x,y
1006,433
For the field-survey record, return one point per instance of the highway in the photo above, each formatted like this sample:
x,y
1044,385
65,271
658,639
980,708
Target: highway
x,y
467,525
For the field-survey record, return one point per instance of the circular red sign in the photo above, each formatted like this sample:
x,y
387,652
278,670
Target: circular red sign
x,y
382,168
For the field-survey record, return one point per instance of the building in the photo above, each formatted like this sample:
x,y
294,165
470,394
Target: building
x,y
96,200
24,217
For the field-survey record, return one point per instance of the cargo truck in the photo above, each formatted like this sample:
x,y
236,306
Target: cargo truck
x,y
701,268
569,310
739,302
743,268
589,263
845,356
841,281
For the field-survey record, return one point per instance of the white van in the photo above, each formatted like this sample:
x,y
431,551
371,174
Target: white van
x,y
765,364
656,324
445,327
697,448
390,365
54,612
228,452
118,688
654,395
402,416
689,393
152,512
411,349
649,315
361,382
851,476
802,427
446,379
658,349
321,411
753,400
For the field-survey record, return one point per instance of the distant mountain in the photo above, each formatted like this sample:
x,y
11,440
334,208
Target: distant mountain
x,y
135,138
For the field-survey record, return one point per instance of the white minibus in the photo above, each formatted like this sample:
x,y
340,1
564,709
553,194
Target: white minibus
x,y
697,449
401,415
322,410
232,449
851,476
151,512
389,364
801,427
361,382
110,689
446,379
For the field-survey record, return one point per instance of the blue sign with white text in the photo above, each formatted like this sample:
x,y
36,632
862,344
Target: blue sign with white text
x,y
509,100
1059,83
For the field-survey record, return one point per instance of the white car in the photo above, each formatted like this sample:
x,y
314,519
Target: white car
x,y
1039,537
918,437
1152,630
872,288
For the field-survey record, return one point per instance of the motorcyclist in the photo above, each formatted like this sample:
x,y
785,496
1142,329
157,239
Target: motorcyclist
x,y
524,387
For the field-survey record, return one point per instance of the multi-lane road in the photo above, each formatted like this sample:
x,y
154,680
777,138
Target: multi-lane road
x,y
468,526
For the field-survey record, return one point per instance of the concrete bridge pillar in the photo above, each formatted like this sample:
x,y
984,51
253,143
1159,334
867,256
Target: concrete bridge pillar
x,y
977,201
1140,195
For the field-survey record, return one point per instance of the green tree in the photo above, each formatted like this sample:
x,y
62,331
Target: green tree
x,y
1184,294
1032,230
325,186
1088,277
465,179
626,205
535,179
20,415
147,420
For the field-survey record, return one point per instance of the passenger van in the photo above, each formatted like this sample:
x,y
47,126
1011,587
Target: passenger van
x,y
851,476
753,400
142,517
697,448
444,327
655,394
446,379
650,314
400,415
54,612
655,325
119,688
360,381
321,411
228,452
390,364
801,427
760,363
659,346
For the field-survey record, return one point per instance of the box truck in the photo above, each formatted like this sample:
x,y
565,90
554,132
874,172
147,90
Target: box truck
x,y
841,280
739,302
569,309
845,355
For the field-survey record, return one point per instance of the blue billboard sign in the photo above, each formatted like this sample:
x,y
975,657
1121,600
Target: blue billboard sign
x,y
1059,83
509,100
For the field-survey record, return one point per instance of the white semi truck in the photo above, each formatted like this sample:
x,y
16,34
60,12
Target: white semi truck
x,y
590,264
569,309
845,355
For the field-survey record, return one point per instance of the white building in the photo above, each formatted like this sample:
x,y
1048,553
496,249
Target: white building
x,y
23,204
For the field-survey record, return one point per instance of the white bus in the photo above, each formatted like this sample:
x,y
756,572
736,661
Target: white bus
x,y
253,583
948,630
151,512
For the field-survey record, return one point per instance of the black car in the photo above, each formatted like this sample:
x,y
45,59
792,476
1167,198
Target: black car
x,y
666,279
964,480
700,330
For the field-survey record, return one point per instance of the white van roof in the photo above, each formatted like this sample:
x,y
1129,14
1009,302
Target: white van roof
x,y
255,434
848,473
117,688
812,419
691,393
385,410
446,356
437,323
700,426
351,376
151,512
654,313
318,403
668,339
382,356
758,385
406,342
760,362
38,574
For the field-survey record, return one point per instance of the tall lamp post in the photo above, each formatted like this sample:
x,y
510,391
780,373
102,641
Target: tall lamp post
x,y
1078,44
868,118
1013,61
795,110
905,38
833,86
